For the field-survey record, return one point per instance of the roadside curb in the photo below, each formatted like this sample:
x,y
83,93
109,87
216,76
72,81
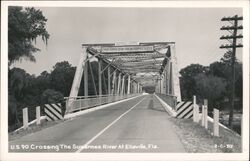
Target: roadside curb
x,y
169,110
30,123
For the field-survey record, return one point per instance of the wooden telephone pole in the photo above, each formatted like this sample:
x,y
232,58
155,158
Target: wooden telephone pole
x,y
232,48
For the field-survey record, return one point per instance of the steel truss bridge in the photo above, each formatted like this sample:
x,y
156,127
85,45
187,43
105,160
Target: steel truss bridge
x,y
129,68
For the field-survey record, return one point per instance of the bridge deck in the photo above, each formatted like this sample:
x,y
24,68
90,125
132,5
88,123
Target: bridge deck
x,y
137,125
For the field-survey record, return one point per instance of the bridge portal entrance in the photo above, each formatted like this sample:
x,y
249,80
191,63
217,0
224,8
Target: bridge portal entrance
x,y
130,67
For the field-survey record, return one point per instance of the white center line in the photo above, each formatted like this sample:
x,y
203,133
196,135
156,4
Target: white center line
x,y
101,132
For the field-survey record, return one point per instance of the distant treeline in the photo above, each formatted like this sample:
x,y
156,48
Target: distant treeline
x,y
27,90
213,82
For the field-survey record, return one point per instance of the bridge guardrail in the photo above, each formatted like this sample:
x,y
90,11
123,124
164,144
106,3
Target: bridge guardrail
x,y
84,102
79,103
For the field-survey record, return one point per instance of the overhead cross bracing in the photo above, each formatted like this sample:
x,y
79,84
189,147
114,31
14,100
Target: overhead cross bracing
x,y
134,59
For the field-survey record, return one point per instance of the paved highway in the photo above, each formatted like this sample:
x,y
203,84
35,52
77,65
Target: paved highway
x,y
137,125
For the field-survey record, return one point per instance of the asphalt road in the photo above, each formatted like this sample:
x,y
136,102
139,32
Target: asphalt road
x,y
137,125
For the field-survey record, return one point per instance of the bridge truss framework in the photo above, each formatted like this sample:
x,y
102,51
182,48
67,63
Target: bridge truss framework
x,y
130,67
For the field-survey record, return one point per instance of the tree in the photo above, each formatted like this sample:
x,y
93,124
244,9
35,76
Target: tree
x,y
226,60
239,81
187,81
210,87
24,26
13,119
62,77
220,69
18,81
51,96
223,69
43,81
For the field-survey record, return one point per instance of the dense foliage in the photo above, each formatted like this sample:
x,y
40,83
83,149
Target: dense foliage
x,y
212,82
27,90
24,26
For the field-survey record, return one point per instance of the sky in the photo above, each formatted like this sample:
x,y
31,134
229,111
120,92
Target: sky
x,y
196,32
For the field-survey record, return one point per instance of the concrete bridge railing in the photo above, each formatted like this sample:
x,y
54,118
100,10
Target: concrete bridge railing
x,y
74,104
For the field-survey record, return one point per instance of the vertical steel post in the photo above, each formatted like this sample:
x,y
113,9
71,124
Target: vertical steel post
x,y
113,82
100,76
123,79
132,87
168,77
119,83
109,81
135,87
171,88
86,79
128,91
162,84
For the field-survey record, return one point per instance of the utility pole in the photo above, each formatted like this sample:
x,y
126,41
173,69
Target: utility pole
x,y
232,48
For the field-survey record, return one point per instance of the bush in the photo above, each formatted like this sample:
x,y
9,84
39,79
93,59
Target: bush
x,y
51,96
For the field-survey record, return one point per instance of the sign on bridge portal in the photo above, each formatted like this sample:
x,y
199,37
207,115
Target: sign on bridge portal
x,y
120,49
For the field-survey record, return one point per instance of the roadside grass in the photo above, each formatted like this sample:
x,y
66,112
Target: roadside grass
x,y
31,129
196,139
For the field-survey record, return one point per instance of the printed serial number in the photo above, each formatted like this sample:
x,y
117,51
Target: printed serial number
x,y
228,146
